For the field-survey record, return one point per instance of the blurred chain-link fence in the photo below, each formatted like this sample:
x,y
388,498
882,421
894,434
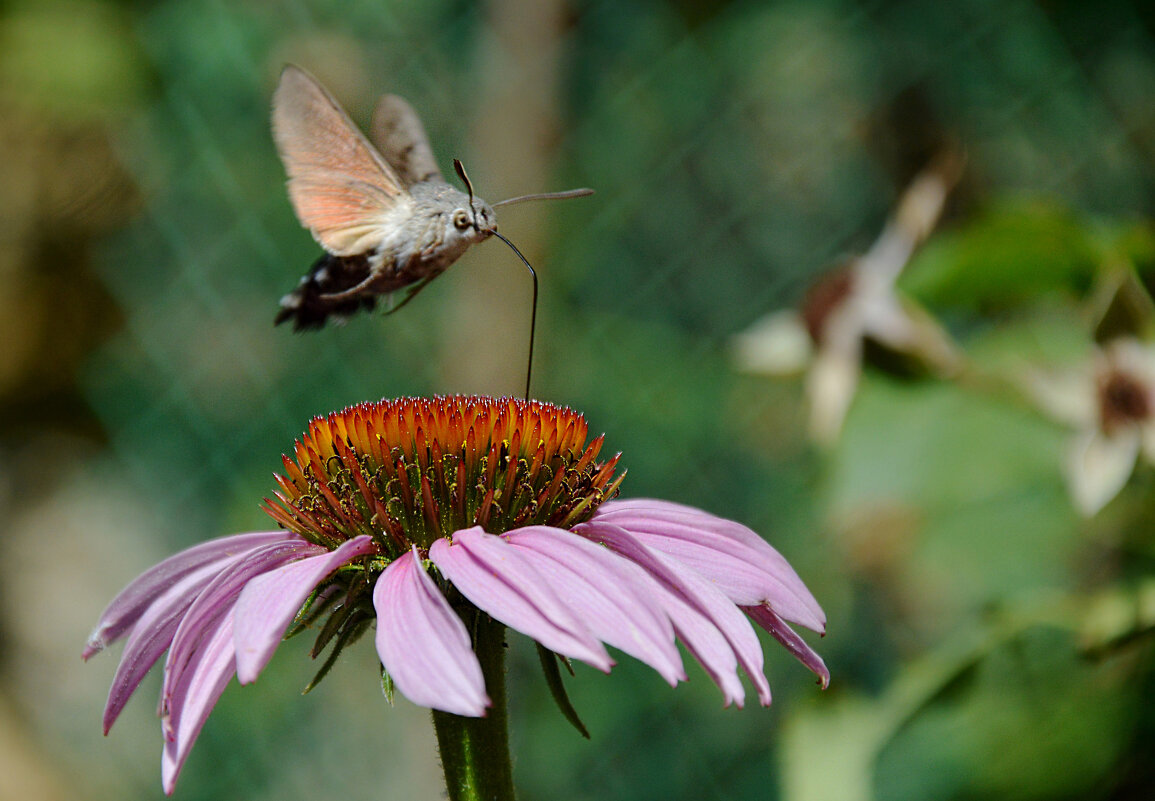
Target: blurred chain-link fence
x,y
737,149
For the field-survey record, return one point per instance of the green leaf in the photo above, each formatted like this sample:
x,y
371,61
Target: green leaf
x,y
956,497
852,731
1118,617
1006,257
1010,710
1030,719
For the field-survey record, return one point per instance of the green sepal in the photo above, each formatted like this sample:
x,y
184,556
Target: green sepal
x,y
349,634
311,611
333,625
388,689
553,679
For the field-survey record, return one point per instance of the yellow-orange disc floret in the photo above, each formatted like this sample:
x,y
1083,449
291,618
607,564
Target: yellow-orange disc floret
x,y
410,470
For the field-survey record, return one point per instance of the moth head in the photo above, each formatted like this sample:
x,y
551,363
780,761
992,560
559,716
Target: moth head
x,y
477,215
476,221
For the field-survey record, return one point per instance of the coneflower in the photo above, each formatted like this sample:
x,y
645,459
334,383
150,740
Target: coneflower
x,y
445,521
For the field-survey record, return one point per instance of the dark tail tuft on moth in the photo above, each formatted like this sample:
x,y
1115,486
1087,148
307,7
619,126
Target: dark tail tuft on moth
x,y
308,305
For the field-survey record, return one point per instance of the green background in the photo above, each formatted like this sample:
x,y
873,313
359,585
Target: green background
x,y
984,640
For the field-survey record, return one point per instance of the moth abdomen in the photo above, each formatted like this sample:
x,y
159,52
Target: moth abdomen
x,y
311,304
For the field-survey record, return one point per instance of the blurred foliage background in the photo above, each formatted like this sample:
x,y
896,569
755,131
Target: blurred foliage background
x,y
986,639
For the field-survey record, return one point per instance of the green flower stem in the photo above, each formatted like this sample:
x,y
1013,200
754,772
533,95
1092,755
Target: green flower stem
x,y
475,751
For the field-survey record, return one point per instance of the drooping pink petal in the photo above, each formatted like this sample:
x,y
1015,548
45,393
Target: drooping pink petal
x,y
218,598
746,567
423,643
610,595
499,579
657,509
731,566
699,595
704,642
764,616
127,607
269,602
209,671
152,636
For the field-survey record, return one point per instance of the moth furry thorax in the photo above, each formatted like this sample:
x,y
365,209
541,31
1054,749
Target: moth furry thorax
x,y
418,247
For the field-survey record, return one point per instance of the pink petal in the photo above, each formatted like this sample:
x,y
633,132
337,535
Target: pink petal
x,y
269,602
704,599
127,607
217,599
611,595
200,687
746,567
499,579
731,566
423,643
152,635
705,643
765,617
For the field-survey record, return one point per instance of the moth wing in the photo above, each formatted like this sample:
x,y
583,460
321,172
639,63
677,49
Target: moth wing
x,y
400,137
342,190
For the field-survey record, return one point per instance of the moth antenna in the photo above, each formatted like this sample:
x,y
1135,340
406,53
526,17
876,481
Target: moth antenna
x,y
533,314
459,168
544,196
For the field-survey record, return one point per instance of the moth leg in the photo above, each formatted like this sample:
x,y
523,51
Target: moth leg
x,y
412,293
351,293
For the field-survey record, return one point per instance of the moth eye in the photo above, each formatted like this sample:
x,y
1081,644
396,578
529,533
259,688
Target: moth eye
x,y
461,219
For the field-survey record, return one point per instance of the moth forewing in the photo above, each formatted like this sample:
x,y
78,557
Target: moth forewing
x,y
338,184
366,232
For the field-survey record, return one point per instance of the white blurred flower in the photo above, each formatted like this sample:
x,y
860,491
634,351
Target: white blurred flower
x,y
852,304
1111,404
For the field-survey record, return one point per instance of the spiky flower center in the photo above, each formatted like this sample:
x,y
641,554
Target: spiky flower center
x,y
411,470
